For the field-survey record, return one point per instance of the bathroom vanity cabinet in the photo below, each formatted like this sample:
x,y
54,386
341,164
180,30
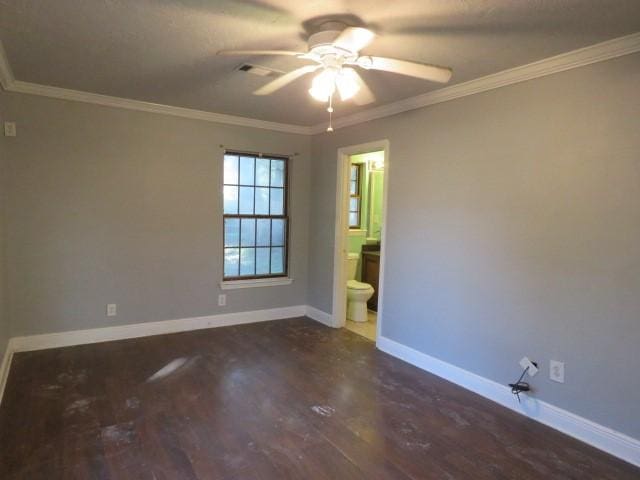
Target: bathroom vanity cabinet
x,y
370,274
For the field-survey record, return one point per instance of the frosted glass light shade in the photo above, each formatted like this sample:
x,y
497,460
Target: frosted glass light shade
x,y
324,85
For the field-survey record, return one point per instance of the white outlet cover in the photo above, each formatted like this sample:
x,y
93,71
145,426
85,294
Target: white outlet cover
x,y
556,371
112,310
222,300
526,363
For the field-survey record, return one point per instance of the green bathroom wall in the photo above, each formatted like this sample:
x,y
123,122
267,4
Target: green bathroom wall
x,y
371,200
356,240
376,182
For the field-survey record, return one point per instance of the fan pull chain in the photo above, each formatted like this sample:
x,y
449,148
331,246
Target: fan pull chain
x,y
330,110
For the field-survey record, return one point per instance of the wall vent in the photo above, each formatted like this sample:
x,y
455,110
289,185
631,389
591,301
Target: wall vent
x,y
259,70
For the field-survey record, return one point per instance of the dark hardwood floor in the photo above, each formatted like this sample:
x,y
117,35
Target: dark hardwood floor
x,y
274,400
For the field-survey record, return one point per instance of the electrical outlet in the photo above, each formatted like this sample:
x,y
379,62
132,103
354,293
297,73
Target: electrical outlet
x,y
112,310
222,300
9,129
556,371
532,367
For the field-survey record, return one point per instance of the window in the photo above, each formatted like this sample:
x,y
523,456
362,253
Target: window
x,y
255,216
354,193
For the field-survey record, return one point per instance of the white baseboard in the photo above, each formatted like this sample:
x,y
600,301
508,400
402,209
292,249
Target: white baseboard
x,y
320,316
4,369
594,434
146,329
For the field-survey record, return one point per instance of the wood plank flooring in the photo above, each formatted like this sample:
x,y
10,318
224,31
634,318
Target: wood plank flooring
x,y
289,399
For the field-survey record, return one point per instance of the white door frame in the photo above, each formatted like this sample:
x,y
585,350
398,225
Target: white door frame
x,y
342,229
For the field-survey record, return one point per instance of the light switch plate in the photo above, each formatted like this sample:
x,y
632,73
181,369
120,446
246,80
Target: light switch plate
x,y
9,129
112,310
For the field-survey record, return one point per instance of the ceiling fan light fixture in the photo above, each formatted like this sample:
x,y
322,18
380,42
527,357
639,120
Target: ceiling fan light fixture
x,y
324,85
347,83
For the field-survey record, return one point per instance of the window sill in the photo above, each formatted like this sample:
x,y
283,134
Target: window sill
x,y
255,282
356,231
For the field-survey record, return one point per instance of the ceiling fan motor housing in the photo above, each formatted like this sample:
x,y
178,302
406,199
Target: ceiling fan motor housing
x,y
323,38
321,43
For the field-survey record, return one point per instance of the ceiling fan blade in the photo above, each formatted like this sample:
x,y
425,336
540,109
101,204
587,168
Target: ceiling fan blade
x,y
285,79
425,71
365,95
354,39
250,53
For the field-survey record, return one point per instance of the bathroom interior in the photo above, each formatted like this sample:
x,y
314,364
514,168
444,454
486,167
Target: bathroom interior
x,y
366,183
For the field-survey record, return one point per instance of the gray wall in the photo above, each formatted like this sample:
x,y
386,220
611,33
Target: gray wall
x,y
513,229
114,206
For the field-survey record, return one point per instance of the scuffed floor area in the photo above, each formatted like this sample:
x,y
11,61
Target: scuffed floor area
x,y
274,400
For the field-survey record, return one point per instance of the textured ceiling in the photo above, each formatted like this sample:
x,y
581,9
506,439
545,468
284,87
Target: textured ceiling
x,y
163,51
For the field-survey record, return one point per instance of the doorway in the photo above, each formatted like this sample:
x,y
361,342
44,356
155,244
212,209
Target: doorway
x,y
361,204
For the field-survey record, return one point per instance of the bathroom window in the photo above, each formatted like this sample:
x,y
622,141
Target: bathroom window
x,y
354,195
256,220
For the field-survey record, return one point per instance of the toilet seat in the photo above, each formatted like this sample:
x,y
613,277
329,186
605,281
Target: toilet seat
x,y
356,285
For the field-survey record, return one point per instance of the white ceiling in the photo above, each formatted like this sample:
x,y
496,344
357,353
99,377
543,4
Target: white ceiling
x,y
163,51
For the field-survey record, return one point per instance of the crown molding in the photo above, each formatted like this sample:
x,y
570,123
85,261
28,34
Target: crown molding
x,y
10,84
6,74
108,101
559,63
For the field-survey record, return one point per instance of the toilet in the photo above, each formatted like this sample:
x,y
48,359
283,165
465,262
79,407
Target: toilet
x,y
357,292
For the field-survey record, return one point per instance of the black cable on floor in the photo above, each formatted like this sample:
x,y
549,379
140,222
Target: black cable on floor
x,y
520,386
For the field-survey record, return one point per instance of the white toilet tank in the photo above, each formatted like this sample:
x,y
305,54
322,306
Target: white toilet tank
x,y
352,265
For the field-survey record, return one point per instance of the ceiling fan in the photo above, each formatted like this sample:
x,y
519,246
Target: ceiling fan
x,y
335,50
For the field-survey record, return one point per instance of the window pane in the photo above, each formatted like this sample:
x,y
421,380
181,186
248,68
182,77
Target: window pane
x,y
277,260
262,172
262,201
354,188
230,169
247,261
354,172
254,187
264,232
248,237
262,261
231,232
353,219
277,201
231,262
353,204
277,173
246,170
246,200
277,232
230,199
